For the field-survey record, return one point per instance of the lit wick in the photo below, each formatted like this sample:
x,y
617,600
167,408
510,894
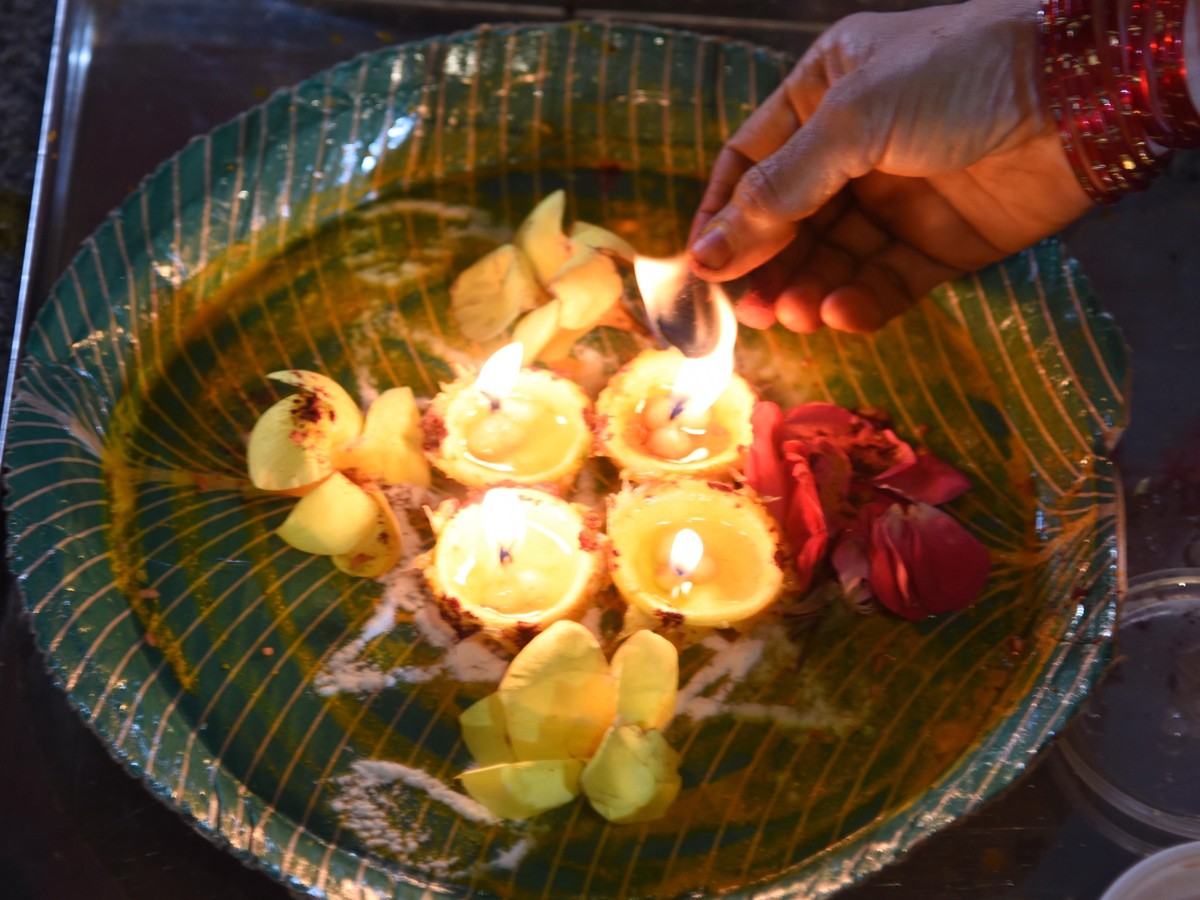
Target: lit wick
x,y
686,565
701,380
686,552
669,413
677,407
498,375
677,421
503,522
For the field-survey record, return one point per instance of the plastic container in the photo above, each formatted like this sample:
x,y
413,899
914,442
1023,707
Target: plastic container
x,y
1172,874
1134,747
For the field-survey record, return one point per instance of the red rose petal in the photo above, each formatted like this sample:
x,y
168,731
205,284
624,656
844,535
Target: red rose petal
x,y
872,450
849,558
764,467
809,419
923,562
833,473
929,480
805,526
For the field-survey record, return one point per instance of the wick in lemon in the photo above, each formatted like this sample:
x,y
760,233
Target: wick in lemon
x,y
683,562
674,427
506,420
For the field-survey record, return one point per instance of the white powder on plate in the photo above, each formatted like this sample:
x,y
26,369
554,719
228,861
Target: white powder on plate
x,y
730,661
371,773
367,803
512,857
762,653
344,673
471,660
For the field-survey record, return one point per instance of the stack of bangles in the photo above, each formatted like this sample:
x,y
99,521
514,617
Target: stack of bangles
x,y
1116,79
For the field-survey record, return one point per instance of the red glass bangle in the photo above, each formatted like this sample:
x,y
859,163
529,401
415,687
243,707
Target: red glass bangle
x,y
1136,66
1115,79
1109,159
1129,147
1103,141
1055,17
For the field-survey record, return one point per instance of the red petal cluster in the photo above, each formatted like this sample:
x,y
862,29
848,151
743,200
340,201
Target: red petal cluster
x,y
844,484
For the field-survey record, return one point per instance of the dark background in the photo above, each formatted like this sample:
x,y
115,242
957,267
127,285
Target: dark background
x,y
73,823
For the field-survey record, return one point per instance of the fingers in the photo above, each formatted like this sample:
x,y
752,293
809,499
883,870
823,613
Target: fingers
x,y
826,253
772,196
883,287
758,308
851,276
727,171
765,131
799,305
755,311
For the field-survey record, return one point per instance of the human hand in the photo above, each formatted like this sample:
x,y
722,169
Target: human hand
x,y
902,150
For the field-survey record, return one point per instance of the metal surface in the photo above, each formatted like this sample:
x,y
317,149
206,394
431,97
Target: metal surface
x,y
38,215
132,81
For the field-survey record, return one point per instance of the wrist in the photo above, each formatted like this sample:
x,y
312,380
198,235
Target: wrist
x,y
1115,76
1015,24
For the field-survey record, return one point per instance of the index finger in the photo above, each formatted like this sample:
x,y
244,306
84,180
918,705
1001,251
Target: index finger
x,y
727,171
767,130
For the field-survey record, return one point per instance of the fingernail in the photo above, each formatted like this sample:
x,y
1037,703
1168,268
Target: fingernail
x,y
712,250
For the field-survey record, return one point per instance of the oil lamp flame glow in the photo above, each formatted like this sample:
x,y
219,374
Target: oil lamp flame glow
x,y
499,374
702,380
659,281
503,519
686,552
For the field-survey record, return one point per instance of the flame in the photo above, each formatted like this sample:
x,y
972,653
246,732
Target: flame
x,y
503,518
659,281
686,552
700,381
499,374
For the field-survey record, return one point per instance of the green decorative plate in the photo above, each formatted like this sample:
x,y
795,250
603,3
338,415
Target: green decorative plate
x,y
307,720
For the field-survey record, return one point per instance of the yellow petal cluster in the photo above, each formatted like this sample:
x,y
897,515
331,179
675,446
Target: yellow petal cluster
x,y
566,721
565,284
317,445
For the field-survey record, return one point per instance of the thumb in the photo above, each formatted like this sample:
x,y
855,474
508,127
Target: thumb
x,y
771,198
